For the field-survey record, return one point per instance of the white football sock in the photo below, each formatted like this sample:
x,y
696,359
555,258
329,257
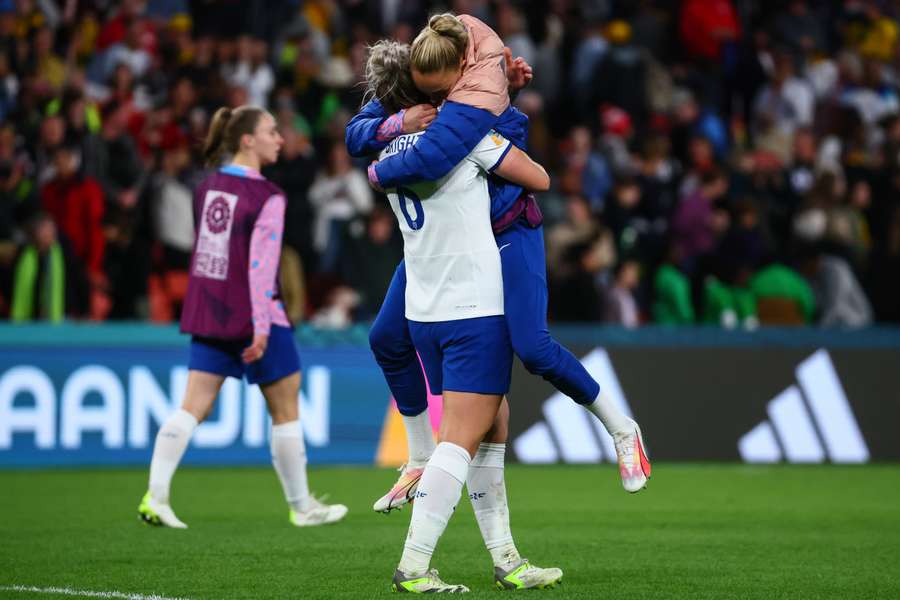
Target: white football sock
x,y
171,441
487,491
419,439
612,418
436,499
289,459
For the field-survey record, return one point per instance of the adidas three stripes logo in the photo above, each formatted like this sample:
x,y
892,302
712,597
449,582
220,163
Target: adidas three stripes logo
x,y
808,421
570,433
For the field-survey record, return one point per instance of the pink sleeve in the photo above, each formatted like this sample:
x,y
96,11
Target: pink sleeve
x,y
391,127
265,252
483,83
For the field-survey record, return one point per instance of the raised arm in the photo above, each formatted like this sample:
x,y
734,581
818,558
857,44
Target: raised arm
x,y
451,137
371,130
361,134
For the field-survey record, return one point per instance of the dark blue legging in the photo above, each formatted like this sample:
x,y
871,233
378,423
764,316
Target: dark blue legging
x,y
525,307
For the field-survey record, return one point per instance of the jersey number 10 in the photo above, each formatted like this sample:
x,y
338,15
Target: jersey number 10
x,y
405,194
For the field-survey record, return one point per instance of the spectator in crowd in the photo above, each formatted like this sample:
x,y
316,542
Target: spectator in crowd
x,y
746,243
338,194
700,220
172,204
251,71
128,52
801,29
17,193
39,284
52,135
672,290
708,28
76,204
619,79
48,67
373,250
847,228
617,134
700,139
786,103
579,226
83,122
585,169
621,306
120,169
728,306
839,297
9,87
782,296
576,293
294,173
511,27
799,177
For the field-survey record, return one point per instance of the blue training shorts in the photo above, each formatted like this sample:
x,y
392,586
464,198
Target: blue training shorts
x,y
468,355
223,357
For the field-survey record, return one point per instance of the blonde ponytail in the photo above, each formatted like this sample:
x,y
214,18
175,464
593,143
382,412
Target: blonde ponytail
x,y
440,45
212,147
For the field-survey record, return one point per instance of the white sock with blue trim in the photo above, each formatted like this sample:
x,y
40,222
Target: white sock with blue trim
x,y
436,499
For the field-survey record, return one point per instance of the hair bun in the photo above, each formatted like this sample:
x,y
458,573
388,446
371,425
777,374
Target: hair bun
x,y
445,24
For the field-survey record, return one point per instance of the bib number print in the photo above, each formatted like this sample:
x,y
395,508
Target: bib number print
x,y
214,238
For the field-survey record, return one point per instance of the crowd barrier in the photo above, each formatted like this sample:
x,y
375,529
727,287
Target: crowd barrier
x,y
82,394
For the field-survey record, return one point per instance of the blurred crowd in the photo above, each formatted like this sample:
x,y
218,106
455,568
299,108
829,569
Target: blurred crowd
x,y
728,162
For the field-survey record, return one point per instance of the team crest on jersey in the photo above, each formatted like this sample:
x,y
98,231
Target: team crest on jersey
x,y
211,259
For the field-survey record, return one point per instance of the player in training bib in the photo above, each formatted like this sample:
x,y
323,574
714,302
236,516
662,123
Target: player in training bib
x,y
454,307
238,325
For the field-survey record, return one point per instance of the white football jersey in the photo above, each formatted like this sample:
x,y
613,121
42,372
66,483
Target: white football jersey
x,y
452,262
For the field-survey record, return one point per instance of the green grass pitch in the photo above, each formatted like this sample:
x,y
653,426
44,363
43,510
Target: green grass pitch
x,y
698,532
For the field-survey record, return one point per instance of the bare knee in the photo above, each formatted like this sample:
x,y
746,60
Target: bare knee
x,y
284,414
281,399
199,412
200,395
467,418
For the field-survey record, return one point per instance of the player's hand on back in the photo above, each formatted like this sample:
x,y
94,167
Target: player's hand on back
x,y
418,117
256,349
373,177
518,72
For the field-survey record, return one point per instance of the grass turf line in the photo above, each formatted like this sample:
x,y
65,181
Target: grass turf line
x,y
698,532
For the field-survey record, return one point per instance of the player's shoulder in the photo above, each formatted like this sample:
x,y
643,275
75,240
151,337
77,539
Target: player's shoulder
x,y
271,189
256,186
493,140
495,137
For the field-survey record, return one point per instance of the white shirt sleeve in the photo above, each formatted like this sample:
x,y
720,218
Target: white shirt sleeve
x,y
490,151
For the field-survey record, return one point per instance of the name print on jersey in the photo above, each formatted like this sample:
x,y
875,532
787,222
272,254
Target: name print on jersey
x,y
401,143
215,233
